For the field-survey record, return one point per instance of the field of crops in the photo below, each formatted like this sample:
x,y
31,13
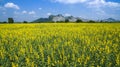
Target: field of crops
x,y
60,45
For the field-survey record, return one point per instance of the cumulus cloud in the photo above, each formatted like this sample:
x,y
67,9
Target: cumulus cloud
x,y
70,1
11,5
67,14
49,14
40,8
102,3
113,4
24,12
98,5
28,12
32,12
92,3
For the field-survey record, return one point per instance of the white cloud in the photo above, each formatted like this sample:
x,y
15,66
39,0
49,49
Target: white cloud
x,y
99,5
15,12
67,14
40,8
24,12
49,14
91,3
32,12
100,12
103,3
11,5
113,4
70,1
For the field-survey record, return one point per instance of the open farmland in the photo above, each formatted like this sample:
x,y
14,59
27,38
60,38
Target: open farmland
x,y
60,45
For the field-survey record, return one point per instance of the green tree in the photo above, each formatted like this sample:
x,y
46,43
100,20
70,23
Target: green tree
x,y
10,20
66,20
91,21
79,20
25,22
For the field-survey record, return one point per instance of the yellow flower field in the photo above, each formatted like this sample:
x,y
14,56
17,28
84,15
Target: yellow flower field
x,y
60,45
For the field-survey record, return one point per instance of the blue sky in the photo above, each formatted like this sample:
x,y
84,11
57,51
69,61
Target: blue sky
x,y
29,10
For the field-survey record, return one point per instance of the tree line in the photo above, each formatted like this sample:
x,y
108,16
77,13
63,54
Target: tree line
x,y
11,20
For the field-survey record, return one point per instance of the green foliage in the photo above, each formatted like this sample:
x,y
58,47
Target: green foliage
x,y
91,21
66,20
10,20
3,22
79,20
25,22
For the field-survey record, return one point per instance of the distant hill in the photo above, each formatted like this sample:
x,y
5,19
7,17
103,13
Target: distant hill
x,y
61,18
42,20
110,20
58,18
